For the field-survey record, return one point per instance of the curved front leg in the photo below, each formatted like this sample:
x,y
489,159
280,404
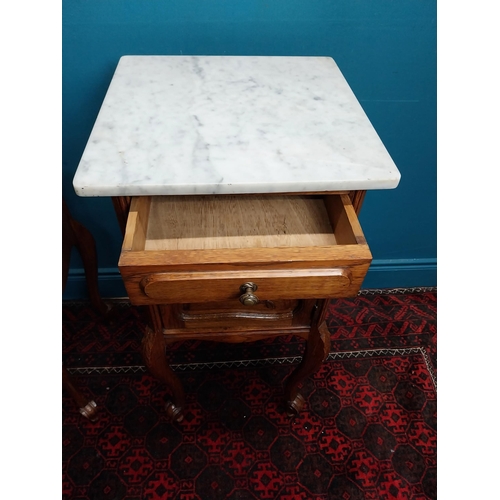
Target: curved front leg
x,y
317,349
153,350
153,343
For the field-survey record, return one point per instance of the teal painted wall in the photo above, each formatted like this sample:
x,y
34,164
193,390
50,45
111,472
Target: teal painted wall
x,y
386,49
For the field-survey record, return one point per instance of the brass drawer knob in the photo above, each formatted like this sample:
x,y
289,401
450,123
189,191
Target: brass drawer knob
x,y
248,298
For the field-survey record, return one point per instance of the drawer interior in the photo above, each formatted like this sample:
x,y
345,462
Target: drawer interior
x,y
170,223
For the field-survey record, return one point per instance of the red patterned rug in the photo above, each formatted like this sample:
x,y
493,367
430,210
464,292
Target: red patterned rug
x,y
367,431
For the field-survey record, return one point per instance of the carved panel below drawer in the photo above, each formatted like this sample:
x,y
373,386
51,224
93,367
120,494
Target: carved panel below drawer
x,y
267,313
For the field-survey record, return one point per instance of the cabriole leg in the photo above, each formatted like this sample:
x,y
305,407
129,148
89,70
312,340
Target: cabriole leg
x,y
317,349
153,347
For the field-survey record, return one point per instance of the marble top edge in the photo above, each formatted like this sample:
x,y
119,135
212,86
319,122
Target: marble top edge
x,y
221,189
227,124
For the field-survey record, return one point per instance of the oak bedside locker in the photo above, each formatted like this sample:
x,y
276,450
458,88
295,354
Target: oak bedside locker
x,y
236,181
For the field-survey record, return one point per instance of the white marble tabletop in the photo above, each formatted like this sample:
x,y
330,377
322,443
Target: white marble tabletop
x,y
182,125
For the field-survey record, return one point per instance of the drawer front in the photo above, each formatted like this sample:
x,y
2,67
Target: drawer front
x,y
250,287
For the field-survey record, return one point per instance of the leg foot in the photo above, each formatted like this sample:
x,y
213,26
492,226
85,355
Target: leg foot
x,y
90,411
87,408
174,413
293,407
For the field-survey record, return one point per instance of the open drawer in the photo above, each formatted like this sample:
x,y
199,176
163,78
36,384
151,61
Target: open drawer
x,y
194,249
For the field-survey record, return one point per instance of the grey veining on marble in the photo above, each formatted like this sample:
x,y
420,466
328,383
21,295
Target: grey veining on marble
x,y
231,124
